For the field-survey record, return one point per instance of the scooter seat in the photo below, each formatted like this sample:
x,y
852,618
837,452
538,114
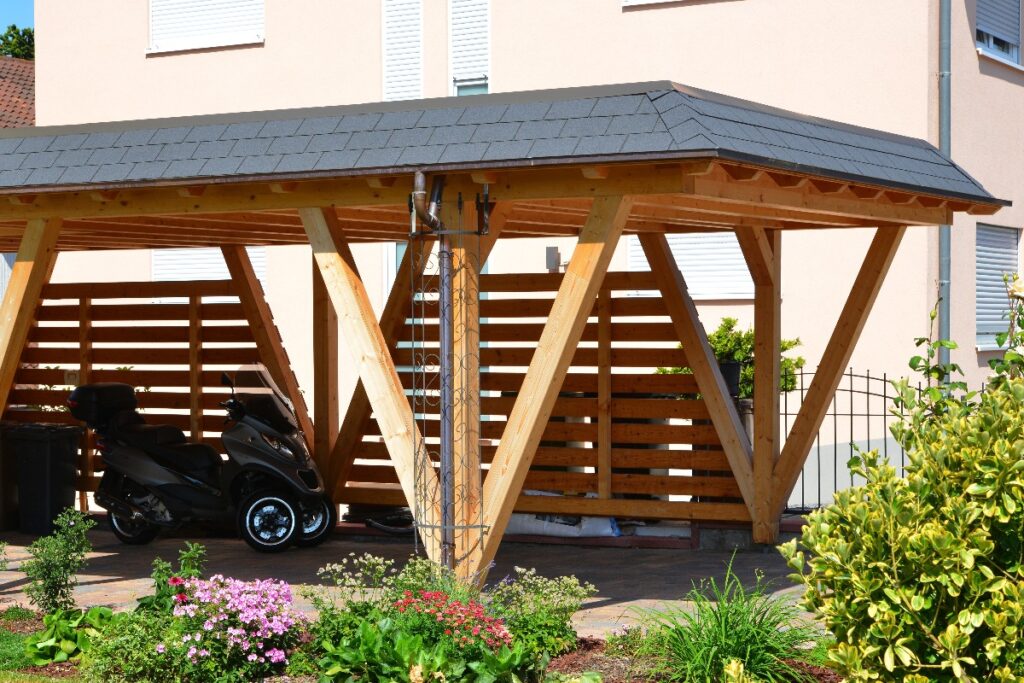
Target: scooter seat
x,y
196,459
142,435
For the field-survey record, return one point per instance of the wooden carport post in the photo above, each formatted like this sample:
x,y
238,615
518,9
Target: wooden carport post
x,y
551,359
762,250
369,353
31,271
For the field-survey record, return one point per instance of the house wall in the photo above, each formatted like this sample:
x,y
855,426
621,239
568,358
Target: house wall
x,y
877,71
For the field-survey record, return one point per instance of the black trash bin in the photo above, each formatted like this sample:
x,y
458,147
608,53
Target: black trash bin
x,y
46,473
8,478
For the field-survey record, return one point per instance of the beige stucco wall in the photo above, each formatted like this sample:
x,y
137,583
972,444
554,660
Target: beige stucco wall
x,y
878,71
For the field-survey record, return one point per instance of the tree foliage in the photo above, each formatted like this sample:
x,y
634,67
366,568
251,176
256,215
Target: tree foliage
x,y
18,42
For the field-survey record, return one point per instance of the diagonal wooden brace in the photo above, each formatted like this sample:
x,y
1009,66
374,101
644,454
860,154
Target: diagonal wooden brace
x,y
550,363
31,271
701,358
369,353
833,362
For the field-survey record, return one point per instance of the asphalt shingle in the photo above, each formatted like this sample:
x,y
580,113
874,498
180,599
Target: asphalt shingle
x,y
611,123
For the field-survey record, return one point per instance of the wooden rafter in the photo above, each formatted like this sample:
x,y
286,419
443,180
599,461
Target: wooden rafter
x,y
834,361
264,331
702,361
30,272
368,353
548,367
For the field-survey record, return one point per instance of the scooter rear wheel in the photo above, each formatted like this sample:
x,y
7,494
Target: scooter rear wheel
x,y
268,521
132,531
318,521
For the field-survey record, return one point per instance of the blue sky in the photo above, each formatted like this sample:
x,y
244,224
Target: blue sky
x,y
18,12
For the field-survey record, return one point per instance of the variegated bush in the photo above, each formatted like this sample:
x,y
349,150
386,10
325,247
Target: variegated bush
x,y
920,578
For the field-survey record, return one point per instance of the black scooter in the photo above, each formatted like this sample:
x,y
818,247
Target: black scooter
x,y
268,485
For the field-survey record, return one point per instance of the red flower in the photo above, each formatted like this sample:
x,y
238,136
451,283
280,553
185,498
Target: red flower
x,y
181,597
175,581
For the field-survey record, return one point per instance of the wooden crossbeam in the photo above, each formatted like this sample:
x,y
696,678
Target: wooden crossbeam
x,y
834,361
702,361
763,252
392,323
368,353
548,367
264,331
30,272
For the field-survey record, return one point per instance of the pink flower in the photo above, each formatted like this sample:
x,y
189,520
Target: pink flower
x,y
160,648
175,581
181,598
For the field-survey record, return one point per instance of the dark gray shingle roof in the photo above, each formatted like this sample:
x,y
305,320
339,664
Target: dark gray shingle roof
x,y
604,124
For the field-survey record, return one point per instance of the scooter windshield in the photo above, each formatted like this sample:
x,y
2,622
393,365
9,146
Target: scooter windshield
x,y
263,399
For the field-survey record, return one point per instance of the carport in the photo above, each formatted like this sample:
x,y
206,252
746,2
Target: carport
x,y
560,365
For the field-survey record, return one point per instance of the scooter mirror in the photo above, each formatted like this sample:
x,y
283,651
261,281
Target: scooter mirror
x,y
225,380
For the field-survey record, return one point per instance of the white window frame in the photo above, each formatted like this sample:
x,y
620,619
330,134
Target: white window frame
x,y
986,45
460,79
207,40
985,340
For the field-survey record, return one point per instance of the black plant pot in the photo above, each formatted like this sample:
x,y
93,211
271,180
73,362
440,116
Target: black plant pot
x,y
731,374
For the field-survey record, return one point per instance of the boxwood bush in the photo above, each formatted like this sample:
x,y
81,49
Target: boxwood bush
x,y
921,578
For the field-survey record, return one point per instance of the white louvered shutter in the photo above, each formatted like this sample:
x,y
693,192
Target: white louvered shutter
x,y
6,263
1000,18
996,254
403,49
711,263
470,39
195,24
202,264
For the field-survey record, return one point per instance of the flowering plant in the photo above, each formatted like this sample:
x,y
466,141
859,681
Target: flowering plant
x,y
230,630
439,619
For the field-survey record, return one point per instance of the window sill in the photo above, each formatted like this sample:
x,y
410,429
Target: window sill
x,y
999,60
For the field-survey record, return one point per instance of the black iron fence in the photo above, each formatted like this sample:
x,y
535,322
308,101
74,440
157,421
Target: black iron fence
x,y
858,419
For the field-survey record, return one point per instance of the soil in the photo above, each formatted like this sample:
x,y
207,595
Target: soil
x,y
590,656
62,670
23,627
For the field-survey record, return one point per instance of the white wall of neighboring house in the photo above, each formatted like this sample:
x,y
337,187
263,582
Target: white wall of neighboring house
x,y
870,63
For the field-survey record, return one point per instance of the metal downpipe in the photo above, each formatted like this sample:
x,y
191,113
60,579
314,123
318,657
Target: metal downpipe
x,y
945,245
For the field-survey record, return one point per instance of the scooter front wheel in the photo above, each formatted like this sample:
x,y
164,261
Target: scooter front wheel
x,y
268,521
132,531
318,521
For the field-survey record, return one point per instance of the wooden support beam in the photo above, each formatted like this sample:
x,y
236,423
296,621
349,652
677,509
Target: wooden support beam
x,y
325,373
195,366
834,361
757,250
742,173
264,331
604,395
392,322
32,268
702,361
466,472
547,370
370,356
767,347
84,373
595,172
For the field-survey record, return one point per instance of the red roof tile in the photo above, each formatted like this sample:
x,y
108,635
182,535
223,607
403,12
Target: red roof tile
x,y
17,92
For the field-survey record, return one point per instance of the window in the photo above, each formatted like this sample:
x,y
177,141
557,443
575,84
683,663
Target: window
x,y
403,49
997,29
711,262
176,25
469,45
997,252
202,264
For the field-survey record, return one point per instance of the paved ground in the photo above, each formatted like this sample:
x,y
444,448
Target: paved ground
x,y
626,578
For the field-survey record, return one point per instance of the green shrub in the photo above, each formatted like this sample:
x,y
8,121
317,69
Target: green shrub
x,y
729,631
538,611
920,578
67,635
127,651
731,344
56,561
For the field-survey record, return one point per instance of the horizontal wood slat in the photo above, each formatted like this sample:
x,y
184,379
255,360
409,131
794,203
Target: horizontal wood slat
x,y
160,334
141,356
584,357
140,312
137,290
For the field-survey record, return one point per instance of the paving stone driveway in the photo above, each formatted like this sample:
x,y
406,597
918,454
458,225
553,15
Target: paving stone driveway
x,y
626,578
